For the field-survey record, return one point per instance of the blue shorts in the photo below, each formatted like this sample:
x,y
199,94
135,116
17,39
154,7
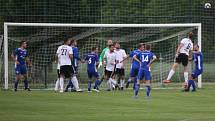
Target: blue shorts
x,y
92,74
196,73
21,69
144,74
134,71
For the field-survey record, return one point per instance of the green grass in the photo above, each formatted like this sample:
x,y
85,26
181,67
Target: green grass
x,y
165,105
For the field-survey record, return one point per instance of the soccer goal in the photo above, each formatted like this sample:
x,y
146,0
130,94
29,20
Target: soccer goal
x,y
44,38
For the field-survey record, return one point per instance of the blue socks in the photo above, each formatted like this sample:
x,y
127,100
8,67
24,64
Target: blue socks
x,y
137,88
135,81
89,85
69,85
97,83
26,84
16,84
148,90
191,83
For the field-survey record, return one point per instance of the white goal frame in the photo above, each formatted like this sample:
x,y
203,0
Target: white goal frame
x,y
6,24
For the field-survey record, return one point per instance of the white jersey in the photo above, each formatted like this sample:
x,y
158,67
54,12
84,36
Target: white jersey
x,y
111,57
120,55
187,46
63,53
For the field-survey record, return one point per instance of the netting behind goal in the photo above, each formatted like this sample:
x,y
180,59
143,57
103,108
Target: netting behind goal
x,y
43,42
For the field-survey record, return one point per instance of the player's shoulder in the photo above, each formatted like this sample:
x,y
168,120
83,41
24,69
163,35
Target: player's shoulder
x,y
60,46
74,48
186,40
16,49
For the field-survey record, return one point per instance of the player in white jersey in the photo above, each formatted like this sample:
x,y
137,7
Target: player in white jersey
x,y
120,68
110,55
182,54
64,55
57,84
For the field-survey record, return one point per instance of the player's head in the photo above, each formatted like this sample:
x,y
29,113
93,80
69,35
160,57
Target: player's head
x,y
66,41
196,47
95,49
190,35
111,47
23,44
117,45
147,47
73,42
141,46
109,42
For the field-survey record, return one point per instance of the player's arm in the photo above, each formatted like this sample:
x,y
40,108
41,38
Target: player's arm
x,y
28,61
152,60
190,53
13,57
135,57
178,49
103,60
56,58
125,58
101,57
190,58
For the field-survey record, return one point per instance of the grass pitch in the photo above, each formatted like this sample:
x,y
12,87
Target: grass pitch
x,y
164,105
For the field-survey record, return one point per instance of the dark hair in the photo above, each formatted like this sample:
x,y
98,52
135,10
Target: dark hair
x,y
94,48
190,35
111,45
66,40
140,45
23,41
148,47
117,42
72,41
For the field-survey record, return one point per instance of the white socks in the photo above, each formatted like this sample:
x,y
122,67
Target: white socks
x,y
186,77
61,84
57,84
111,83
171,73
122,83
75,82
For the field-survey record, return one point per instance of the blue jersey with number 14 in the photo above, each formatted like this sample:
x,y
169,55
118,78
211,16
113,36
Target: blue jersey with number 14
x,y
92,59
145,58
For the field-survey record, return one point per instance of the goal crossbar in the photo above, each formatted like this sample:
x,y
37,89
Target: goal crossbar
x,y
6,24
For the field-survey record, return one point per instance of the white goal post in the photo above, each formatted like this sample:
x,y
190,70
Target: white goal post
x,y
7,24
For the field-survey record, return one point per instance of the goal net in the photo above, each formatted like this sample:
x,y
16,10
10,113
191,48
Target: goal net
x,y
44,38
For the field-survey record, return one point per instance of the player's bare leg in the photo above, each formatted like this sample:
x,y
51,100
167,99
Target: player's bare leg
x,y
185,77
171,73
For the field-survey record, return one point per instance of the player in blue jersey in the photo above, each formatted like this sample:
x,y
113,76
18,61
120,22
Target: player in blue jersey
x,y
135,64
198,60
74,82
92,61
20,56
145,59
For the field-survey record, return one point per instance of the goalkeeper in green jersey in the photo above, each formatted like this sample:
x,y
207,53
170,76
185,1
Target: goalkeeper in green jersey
x,y
109,42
